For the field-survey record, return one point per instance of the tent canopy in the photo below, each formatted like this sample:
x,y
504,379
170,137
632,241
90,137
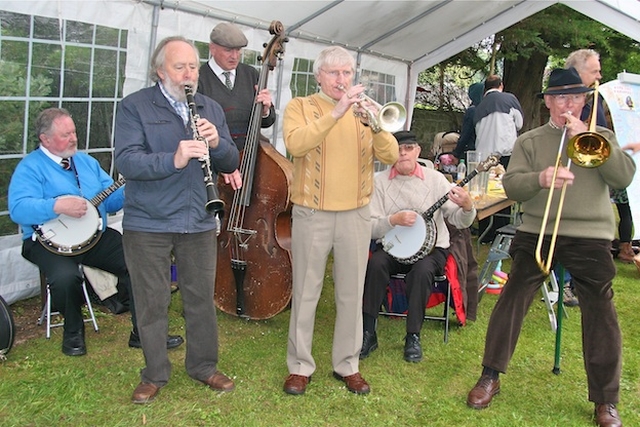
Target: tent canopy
x,y
419,34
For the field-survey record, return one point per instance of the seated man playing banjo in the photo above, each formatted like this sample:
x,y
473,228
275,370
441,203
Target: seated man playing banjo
x,y
50,187
401,195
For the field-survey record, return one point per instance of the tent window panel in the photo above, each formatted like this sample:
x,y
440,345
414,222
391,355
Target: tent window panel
x,y
46,28
203,51
77,64
80,113
381,87
14,56
106,36
105,74
11,127
303,82
101,124
45,70
14,24
79,32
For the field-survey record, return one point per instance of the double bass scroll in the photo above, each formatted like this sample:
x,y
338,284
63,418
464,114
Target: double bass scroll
x,y
254,271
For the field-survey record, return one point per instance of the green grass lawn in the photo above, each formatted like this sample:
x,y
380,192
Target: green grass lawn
x,y
39,386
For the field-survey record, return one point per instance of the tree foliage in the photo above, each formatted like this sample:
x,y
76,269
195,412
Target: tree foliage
x,y
527,51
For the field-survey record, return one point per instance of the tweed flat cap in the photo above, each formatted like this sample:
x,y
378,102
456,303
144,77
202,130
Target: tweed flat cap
x,y
228,35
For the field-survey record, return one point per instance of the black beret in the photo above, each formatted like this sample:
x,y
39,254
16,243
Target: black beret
x,y
405,137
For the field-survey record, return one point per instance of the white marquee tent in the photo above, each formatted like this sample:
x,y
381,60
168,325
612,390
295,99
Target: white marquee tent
x,y
395,37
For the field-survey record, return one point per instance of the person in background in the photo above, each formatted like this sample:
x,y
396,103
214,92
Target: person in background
x,y
233,85
586,233
467,140
333,152
55,169
587,63
497,118
399,194
161,156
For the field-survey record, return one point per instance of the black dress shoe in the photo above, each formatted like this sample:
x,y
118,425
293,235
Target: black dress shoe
x,y
412,348
369,343
173,341
73,344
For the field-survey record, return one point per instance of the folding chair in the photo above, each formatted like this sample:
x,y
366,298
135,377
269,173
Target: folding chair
x,y
46,309
440,286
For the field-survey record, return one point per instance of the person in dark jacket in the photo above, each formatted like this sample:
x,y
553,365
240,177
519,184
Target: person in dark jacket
x,y
160,151
467,140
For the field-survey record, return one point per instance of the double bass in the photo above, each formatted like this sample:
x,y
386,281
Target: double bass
x,y
254,273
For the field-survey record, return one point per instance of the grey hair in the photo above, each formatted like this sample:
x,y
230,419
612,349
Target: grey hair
x,y
577,59
158,57
45,119
333,56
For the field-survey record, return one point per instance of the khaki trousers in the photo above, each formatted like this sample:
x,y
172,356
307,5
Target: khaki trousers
x,y
314,235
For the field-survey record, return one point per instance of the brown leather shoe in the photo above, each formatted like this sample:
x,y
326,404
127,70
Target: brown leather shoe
x,y
355,383
481,395
220,382
606,415
145,393
296,384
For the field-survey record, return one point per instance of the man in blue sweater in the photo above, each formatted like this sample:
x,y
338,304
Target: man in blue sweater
x,y
57,169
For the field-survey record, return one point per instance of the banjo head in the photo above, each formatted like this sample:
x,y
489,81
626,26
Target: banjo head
x,y
68,235
403,241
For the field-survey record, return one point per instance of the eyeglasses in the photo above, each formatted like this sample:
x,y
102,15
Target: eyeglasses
x,y
575,98
336,73
407,147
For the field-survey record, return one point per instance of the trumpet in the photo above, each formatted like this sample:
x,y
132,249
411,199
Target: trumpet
x,y
587,149
213,204
389,117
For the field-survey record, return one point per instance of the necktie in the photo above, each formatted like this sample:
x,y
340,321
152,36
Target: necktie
x,y
65,163
227,79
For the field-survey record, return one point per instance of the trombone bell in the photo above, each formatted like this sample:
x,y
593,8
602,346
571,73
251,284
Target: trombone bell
x,y
588,149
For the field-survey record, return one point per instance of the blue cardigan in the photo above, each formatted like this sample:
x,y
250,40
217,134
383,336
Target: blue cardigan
x,y
38,181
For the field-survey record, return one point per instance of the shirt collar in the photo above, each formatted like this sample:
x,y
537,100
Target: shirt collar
x,y
50,155
217,70
417,172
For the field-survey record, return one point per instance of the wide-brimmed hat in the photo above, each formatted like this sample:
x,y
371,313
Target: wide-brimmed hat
x,y
565,81
405,137
228,35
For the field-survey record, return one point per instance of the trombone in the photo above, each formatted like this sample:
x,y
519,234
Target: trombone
x,y
587,149
390,117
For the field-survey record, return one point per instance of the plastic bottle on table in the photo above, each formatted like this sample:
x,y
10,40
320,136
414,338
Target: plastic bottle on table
x,y
462,171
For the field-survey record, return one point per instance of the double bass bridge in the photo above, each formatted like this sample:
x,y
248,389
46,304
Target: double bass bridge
x,y
242,236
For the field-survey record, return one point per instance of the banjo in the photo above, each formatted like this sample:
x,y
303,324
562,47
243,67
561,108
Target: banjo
x,y
408,244
7,329
66,235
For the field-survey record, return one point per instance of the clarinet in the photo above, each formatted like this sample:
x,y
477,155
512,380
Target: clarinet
x,y
213,205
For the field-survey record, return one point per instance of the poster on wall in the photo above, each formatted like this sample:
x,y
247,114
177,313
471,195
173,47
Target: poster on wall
x,y
623,98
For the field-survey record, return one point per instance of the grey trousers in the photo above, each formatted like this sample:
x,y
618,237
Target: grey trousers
x,y
592,269
148,257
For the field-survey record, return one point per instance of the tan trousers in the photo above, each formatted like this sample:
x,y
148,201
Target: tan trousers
x,y
314,235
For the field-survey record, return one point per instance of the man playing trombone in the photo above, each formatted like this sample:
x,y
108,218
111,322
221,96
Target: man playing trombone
x,y
585,232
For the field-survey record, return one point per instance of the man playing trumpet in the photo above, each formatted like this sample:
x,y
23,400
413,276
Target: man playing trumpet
x,y
583,246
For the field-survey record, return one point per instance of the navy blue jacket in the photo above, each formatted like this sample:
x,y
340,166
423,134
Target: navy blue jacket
x,y
160,198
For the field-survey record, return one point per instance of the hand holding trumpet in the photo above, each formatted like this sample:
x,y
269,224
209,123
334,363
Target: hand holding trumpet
x,y
349,100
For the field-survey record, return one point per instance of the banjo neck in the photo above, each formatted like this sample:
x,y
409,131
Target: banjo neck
x,y
428,214
483,166
101,196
